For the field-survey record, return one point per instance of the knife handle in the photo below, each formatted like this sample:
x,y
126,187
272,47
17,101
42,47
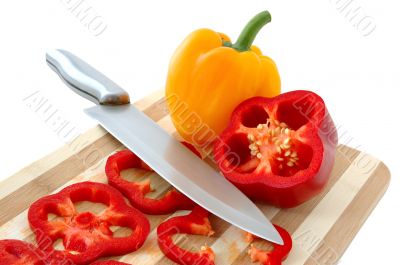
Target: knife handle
x,y
86,80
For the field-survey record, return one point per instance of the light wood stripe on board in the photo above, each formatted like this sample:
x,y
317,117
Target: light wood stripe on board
x,y
329,249
325,214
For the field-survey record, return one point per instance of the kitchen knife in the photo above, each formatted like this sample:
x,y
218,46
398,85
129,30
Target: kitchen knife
x,y
162,152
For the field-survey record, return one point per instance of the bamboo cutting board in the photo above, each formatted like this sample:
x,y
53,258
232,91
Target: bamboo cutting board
x,y
321,229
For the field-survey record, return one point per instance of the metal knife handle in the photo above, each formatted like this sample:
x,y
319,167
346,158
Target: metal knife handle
x,y
86,80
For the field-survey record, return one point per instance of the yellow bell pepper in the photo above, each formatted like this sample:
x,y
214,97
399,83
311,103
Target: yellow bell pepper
x,y
209,76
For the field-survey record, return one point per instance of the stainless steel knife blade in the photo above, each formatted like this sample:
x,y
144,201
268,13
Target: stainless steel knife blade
x,y
168,157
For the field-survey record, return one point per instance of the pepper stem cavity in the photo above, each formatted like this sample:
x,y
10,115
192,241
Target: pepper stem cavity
x,y
250,31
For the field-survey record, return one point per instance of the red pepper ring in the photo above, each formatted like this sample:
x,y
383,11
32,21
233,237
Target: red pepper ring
x,y
87,236
17,252
277,255
280,150
195,223
136,192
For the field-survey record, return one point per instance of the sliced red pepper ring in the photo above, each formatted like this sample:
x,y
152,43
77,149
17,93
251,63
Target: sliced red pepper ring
x,y
280,150
87,236
136,192
17,252
196,223
274,257
109,262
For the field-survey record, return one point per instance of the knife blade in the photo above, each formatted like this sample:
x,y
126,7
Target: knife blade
x,y
162,152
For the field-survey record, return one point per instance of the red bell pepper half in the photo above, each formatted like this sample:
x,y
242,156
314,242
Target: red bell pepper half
x,y
196,223
280,150
277,255
87,236
136,192
16,252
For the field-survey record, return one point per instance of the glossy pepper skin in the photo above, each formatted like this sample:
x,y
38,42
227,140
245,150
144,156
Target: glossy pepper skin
x,y
209,76
136,192
87,234
280,150
275,256
17,252
195,223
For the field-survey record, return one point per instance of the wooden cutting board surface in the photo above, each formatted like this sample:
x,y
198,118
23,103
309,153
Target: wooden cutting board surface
x,y
321,229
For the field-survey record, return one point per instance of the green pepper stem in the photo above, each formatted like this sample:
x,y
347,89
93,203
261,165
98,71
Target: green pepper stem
x,y
251,30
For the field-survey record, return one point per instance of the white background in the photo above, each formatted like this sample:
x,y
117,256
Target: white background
x,y
314,44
